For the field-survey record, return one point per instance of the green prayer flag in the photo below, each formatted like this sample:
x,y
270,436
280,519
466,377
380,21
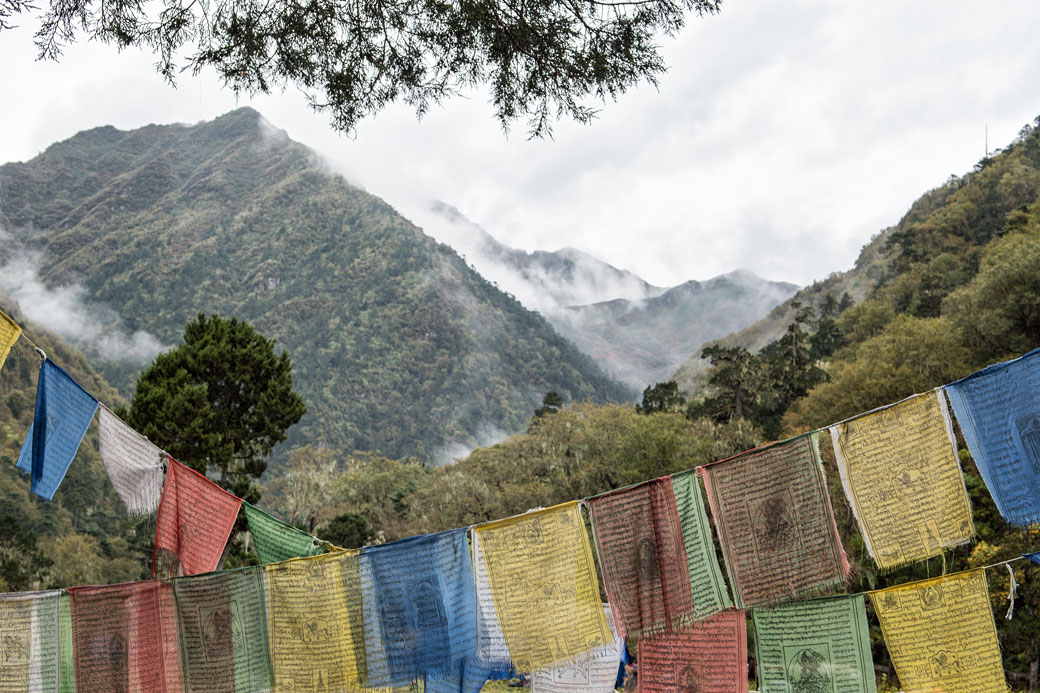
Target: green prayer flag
x,y
278,541
710,594
67,680
222,631
817,645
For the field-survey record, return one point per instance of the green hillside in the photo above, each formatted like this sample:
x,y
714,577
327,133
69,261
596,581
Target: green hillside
x,y
83,536
397,345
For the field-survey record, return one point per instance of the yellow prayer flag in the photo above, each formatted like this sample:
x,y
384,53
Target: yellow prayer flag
x,y
940,634
9,332
543,585
314,623
901,476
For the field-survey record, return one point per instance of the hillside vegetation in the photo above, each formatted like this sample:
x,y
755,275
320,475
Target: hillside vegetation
x,y
397,345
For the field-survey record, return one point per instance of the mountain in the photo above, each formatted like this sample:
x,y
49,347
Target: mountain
x,y
398,346
637,332
642,342
542,280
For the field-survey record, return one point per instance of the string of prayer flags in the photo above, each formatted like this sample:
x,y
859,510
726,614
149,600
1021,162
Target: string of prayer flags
x,y
709,657
63,413
116,636
68,668
710,594
314,623
541,574
998,409
594,672
223,631
134,465
30,655
9,333
275,540
642,558
899,468
195,520
817,645
775,522
940,634
419,608
492,651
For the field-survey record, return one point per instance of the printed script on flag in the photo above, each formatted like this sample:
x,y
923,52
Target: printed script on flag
x,y
542,579
900,472
817,645
709,657
30,652
775,522
642,558
940,634
998,409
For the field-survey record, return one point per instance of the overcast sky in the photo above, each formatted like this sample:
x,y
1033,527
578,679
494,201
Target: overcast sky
x,y
785,134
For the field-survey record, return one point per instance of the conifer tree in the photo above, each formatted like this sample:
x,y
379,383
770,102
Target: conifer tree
x,y
219,402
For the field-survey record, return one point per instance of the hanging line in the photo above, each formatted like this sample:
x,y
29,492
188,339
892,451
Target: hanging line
x,y
959,572
39,352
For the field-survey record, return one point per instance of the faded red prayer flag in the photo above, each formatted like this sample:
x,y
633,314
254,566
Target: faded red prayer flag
x,y
117,638
195,520
642,558
708,657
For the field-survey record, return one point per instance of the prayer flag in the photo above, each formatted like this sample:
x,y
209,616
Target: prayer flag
x,y
817,645
117,639
492,651
594,672
317,641
223,631
195,520
940,634
9,333
30,651
63,414
542,580
708,657
419,607
642,558
899,468
710,594
275,540
775,522
68,669
998,409
133,463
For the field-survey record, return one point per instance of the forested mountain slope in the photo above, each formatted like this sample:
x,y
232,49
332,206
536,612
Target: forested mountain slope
x,y
397,345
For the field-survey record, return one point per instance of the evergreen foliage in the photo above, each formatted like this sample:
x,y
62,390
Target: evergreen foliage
x,y
219,402
541,60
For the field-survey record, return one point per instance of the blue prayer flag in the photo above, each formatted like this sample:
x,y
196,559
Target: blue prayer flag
x,y
1034,557
998,409
419,609
63,413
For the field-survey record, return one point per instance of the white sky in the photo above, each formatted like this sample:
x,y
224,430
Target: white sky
x,y
785,134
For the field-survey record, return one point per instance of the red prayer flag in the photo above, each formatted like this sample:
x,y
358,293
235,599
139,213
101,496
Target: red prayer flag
x,y
642,558
117,638
710,656
195,520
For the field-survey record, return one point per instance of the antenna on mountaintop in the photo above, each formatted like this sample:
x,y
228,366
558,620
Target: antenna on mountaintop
x,y
987,140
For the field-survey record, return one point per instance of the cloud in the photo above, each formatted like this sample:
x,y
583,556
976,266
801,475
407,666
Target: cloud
x,y
67,311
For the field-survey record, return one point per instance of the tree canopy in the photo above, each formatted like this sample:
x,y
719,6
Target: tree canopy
x,y
219,402
541,59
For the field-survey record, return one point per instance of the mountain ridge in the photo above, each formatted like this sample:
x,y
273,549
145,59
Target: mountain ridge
x,y
398,346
